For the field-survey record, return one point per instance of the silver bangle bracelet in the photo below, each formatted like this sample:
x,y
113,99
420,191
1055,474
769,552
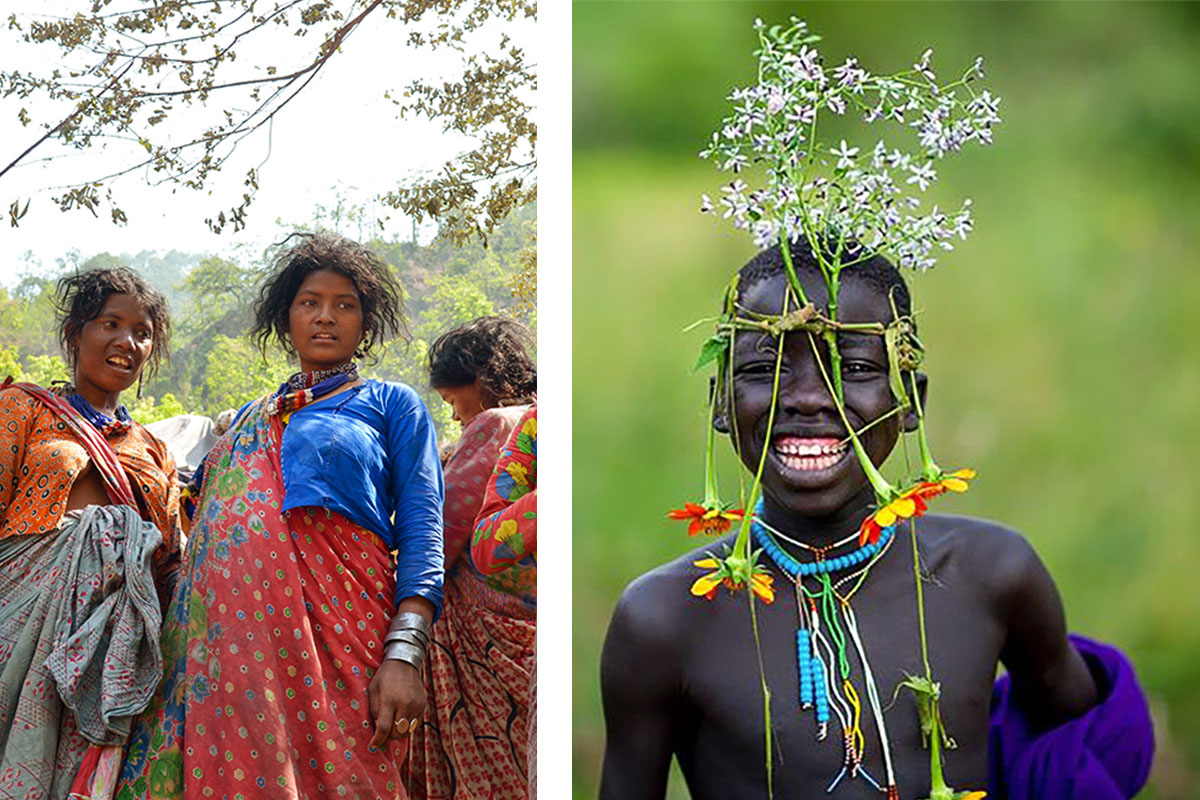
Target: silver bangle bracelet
x,y
410,620
403,651
415,638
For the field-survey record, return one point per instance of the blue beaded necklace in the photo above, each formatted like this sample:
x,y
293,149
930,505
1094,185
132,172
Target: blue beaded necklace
x,y
822,655
107,425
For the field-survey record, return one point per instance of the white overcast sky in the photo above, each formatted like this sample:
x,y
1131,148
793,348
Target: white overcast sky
x,y
338,134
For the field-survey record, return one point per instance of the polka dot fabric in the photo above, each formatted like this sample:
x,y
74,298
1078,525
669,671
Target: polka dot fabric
x,y
270,643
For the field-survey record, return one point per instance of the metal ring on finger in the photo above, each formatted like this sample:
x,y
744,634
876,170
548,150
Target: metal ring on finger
x,y
402,726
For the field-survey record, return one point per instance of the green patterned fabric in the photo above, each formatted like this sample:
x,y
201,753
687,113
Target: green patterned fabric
x,y
79,644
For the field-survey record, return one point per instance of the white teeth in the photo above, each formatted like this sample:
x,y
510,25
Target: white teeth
x,y
810,463
792,449
804,457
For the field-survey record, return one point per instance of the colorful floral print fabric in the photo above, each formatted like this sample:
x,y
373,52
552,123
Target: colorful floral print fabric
x,y
505,542
40,460
269,645
473,743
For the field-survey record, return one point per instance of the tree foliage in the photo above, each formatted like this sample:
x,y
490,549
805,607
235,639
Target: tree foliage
x,y
175,85
214,366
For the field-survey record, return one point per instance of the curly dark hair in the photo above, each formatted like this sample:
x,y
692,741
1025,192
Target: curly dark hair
x,y
494,350
378,290
80,298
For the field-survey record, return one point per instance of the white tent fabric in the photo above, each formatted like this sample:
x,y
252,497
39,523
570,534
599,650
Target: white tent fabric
x,y
188,437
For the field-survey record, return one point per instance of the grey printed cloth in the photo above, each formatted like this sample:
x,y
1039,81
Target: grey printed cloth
x,y
79,644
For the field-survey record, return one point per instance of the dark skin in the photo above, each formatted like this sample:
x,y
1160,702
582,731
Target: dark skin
x,y
680,675
325,323
109,353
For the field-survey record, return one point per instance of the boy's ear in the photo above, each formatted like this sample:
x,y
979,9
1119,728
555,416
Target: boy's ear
x,y
720,420
910,416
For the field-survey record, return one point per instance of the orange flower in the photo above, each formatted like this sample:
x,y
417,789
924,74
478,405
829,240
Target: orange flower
x,y
711,520
911,503
761,583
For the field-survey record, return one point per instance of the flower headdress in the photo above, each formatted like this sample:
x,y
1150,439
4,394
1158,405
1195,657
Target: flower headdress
x,y
847,203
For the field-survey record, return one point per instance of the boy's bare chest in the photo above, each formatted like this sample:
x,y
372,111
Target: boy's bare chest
x,y
859,652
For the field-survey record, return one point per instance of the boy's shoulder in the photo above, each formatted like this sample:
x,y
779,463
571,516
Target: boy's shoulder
x,y
994,554
659,601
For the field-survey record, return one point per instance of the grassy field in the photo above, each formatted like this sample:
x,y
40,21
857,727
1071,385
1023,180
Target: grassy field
x,y
1063,336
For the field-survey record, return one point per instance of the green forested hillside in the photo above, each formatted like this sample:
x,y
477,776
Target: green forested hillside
x,y
213,365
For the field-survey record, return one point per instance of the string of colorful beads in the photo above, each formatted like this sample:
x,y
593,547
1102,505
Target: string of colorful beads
x,y
792,567
811,668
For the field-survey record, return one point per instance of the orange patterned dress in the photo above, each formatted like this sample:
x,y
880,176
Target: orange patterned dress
x,y
40,460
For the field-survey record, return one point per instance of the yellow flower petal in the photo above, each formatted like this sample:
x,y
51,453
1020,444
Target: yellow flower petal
x,y
903,507
763,586
885,516
955,484
966,474
705,584
706,563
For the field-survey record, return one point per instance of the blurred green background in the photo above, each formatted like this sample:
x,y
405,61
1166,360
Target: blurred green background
x,y
1062,335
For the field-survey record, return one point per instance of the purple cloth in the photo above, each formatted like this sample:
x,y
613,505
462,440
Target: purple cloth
x,y
1103,755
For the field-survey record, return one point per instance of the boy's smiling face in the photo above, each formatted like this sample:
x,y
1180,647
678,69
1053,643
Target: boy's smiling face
x,y
811,469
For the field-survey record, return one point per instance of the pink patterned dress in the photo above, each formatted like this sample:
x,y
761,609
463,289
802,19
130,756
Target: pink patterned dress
x,y
474,741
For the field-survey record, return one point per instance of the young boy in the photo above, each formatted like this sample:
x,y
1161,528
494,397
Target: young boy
x,y
680,674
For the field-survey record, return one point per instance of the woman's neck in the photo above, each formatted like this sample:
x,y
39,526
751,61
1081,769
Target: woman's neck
x,y
106,403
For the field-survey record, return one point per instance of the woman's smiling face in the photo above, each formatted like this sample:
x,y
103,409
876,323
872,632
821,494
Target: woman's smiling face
x,y
325,320
111,349
811,469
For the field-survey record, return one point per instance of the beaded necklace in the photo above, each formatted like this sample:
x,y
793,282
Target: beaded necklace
x,y
304,387
308,380
826,630
108,426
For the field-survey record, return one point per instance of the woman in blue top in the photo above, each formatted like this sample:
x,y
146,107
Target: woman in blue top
x,y
295,640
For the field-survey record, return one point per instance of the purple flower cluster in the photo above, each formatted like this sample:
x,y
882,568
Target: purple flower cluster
x,y
840,193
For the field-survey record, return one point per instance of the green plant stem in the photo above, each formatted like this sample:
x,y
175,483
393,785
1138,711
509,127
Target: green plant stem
x,y
937,781
912,528
883,490
711,495
766,694
741,549
929,469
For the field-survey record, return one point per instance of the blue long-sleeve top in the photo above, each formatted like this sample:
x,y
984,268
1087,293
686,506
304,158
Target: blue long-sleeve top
x,y
370,454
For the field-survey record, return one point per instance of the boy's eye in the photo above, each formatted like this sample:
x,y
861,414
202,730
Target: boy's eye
x,y
756,369
859,368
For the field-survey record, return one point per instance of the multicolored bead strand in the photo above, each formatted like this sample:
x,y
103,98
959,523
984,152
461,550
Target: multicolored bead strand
x,y
822,652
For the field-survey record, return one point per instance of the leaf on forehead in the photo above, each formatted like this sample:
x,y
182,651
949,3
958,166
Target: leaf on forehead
x,y
715,347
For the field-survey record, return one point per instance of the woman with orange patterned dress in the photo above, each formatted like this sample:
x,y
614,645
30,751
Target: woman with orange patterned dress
x,y
89,540
473,742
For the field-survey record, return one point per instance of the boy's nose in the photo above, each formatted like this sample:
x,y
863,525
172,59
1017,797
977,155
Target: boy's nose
x,y
803,391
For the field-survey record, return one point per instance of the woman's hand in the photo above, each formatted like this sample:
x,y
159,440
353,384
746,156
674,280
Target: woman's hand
x,y
396,700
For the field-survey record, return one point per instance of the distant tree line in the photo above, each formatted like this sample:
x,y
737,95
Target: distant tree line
x,y
214,366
